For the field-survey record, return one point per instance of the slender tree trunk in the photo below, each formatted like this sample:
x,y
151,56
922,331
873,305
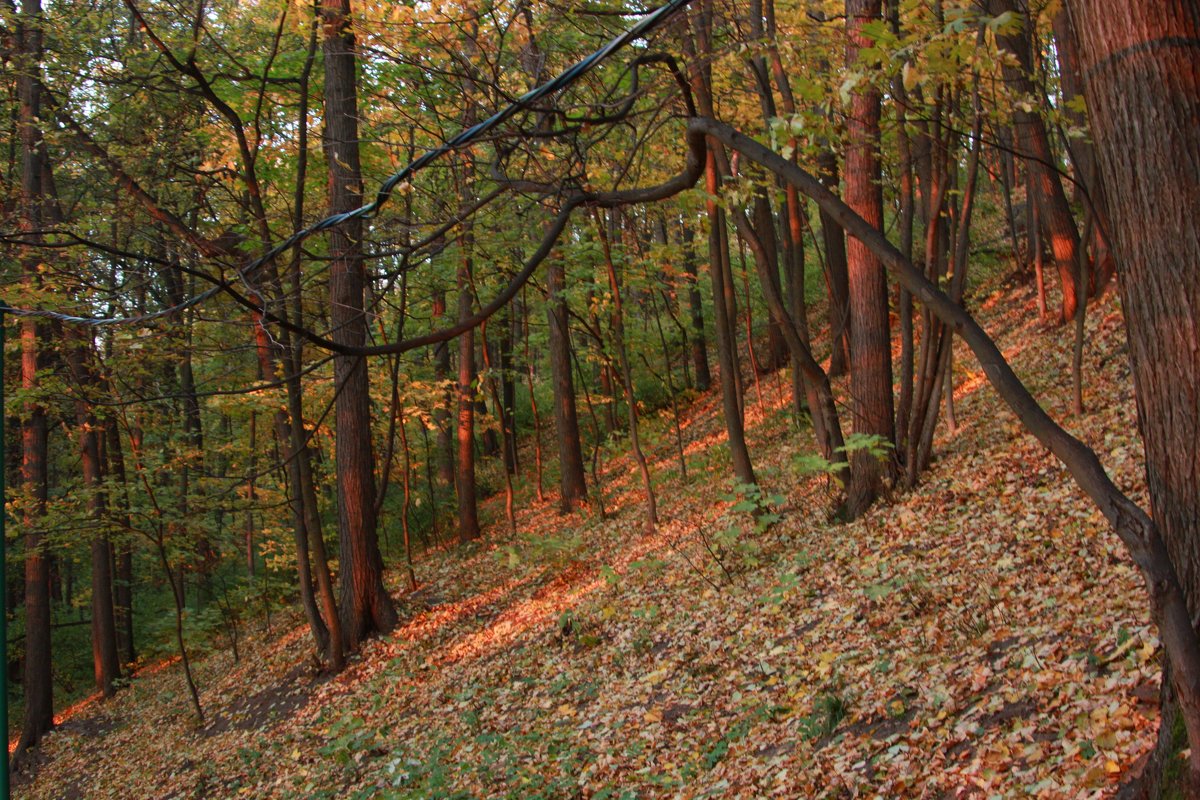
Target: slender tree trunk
x,y
106,662
718,256
464,476
699,345
441,412
1054,213
123,583
572,483
618,324
837,278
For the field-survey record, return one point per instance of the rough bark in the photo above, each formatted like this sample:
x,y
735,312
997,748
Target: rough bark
x,y
1142,84
870,335
39,703
364,604
1054,214
572,483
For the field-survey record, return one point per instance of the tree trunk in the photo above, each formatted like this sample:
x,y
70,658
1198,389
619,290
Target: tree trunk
x,y
364,603
1057,224
618,325
441,412
105,659
718,256
37,683
464,476
1142,87
123,583
572,483
870,335
699,347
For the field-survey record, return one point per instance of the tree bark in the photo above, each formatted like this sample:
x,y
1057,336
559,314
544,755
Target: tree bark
x,y
364,604
464,476
1142,84
1057,224
106,662
39,702
572,483
870,334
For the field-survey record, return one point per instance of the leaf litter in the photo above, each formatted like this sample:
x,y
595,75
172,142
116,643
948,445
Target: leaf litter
x,y
983,636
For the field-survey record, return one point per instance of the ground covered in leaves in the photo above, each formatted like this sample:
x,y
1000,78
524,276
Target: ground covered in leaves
x,y
983,636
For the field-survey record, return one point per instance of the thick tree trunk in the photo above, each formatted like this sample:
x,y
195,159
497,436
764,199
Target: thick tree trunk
x,y
364,604
870,333
1142,84
37,683
39,703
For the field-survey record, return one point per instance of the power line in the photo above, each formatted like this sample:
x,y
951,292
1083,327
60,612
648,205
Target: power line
x,y
562,81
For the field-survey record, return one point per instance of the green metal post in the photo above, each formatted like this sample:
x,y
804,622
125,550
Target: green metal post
x,y
4,788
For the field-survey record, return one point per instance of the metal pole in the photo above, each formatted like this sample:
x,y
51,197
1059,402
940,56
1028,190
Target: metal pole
x,y
4,787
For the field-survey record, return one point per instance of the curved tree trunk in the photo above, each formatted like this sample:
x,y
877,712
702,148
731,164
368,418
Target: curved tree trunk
x,y
1141,535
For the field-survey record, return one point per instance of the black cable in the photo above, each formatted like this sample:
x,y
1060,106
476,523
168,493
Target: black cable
x,y
565,79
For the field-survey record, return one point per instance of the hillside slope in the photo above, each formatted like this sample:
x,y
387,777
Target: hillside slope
x,y
983,636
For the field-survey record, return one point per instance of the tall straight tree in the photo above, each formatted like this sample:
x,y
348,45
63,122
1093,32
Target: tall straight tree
x,y
1054,214
870,336
364,604
698,48
572,482
1141,72
106,661
39,699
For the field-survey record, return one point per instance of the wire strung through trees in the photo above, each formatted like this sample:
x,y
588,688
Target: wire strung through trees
x,y
643,27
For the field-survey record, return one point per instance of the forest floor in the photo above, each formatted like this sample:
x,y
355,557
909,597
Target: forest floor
x,y
982,636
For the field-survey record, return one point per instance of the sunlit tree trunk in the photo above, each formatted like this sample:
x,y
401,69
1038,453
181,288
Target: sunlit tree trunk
x,y
39,704
364,604
1142,84
1054,214
718,256
870,335
105,660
